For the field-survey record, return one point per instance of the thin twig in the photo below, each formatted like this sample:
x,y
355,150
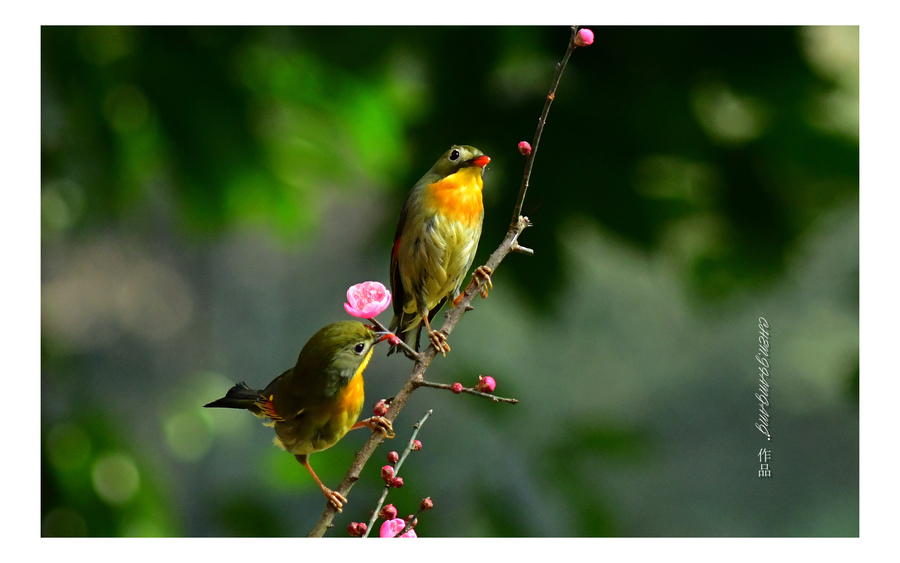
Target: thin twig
x,y
529,160
469,390
423,359
406,346
387,486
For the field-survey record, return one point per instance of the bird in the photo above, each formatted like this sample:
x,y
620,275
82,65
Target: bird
x,y
315,403
435,243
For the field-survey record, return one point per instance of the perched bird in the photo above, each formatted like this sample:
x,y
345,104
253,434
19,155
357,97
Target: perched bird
x,y
313,404
437,236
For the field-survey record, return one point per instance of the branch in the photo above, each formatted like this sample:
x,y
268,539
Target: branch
x,y
469,390
529,160
387,487
423,359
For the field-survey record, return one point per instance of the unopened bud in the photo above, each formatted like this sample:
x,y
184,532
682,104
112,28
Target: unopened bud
x,y
584,37
393,457
456,388
387,473
426,504
381,408
486,384
525,148
357,529
389,512
397,482
417,445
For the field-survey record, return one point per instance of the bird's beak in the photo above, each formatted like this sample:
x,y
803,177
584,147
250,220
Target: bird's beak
x,y
381,336
480,162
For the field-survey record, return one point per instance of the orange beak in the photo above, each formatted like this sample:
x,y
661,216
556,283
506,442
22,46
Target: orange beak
x,y
481,161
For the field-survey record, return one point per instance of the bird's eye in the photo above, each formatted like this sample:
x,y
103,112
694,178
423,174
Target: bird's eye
x,y
454,155
359,347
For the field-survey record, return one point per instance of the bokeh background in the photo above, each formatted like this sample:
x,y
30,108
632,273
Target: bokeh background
x,y
209,193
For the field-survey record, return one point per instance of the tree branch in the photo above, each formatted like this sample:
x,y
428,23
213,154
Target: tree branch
x,y
423,360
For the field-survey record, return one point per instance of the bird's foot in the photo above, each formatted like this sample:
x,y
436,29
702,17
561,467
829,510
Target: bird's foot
x,y
482,275
439,341
378,424
336,499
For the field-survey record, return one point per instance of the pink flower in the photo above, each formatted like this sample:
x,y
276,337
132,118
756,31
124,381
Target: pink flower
x,y
525,148
387,473
486,384
584,38
417,445
390,528
380,408
367,299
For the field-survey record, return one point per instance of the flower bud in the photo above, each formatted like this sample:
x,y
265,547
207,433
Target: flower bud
x,y
387,473
397,482
456,388
584,37
357,529
393,457
417,445
486,384
381,408
426,504
388,512
525,148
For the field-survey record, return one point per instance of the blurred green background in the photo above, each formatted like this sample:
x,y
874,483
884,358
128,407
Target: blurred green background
x,y
208,194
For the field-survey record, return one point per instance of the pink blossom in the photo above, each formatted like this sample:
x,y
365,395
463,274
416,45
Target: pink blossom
x,y
456,388
367,299
584,38
486,384
525,148
391,527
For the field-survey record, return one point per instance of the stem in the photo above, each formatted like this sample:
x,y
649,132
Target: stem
x,y
469,390
387,487
529,160
423,359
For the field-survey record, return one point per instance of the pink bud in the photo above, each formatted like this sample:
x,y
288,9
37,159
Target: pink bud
x,y
387,473
584,37
426,504
417,445
397,482
357,529
381,408
486,384
525,148
366,300
456,388
393,457
388,512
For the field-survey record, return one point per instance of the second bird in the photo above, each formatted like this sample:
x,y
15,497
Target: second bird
x,y
436,240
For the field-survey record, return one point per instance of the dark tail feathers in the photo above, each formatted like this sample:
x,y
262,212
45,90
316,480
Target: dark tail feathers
x,y
238,397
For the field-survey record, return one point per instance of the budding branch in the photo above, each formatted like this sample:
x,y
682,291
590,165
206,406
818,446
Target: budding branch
x,y
423,360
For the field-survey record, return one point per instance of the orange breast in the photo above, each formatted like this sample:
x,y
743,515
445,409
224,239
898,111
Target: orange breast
x,y
458,196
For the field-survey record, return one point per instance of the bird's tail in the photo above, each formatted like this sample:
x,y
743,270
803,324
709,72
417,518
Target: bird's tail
x,y
239,397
